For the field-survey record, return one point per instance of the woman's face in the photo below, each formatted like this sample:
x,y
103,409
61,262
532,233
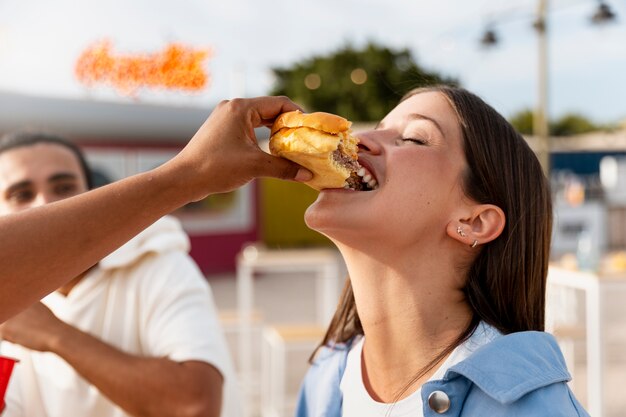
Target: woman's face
x,y
416,156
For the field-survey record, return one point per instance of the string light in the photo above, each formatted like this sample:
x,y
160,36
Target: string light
x,y
489,38
603,14
312,81
358,76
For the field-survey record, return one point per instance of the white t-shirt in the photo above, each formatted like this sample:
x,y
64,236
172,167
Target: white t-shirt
x,y
147,299
358,403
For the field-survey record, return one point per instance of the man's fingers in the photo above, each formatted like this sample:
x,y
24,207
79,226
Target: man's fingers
x,y
268,108
273,166
267,122
303,175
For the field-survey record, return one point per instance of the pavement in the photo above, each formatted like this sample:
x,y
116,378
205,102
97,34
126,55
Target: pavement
x,y
289,299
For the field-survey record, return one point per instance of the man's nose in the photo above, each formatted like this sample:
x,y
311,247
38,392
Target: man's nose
x,y
44,198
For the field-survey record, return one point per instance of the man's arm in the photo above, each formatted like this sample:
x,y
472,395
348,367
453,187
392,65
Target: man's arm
x,y
142,386
43,248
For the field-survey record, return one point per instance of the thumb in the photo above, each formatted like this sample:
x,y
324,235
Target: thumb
x,y
273,166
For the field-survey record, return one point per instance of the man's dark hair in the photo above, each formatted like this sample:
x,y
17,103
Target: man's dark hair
x,y
21,139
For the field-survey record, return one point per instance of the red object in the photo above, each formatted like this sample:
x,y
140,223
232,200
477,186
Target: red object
x,y
217,254
6,368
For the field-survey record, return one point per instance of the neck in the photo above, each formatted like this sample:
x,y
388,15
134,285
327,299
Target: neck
x,y
411,308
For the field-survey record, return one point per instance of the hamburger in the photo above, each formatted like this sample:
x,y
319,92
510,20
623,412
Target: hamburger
x,y
321,142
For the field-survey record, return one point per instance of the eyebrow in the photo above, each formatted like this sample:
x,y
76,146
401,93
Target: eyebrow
x,y
418,116
62,176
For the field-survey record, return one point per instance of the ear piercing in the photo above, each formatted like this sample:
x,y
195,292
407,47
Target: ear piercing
x,y
461,233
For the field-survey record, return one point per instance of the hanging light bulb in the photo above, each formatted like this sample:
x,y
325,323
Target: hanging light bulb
x,y
489,38
603,14
539,25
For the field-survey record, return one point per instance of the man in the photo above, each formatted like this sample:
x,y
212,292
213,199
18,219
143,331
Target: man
x,y
135,335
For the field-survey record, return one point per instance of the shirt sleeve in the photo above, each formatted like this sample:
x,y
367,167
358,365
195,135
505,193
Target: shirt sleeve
x,y
178,315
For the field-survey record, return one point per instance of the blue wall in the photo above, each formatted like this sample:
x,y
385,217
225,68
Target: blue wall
x,y
582,163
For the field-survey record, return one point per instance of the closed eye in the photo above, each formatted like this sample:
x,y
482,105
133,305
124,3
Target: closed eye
x,y
413,140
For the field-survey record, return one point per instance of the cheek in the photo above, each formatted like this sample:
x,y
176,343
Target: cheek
x,y
4,209
8,208
83,188
425,198
427,176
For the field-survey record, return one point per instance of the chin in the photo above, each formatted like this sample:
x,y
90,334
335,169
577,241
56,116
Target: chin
x,y
323,221
316,218
338,225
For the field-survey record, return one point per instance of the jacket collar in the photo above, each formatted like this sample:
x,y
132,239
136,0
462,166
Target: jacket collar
x,y
513,365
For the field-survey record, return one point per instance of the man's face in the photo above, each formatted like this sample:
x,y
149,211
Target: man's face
x,y
35,175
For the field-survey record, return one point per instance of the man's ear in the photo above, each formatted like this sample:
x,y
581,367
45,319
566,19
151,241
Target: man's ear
x,y
484,224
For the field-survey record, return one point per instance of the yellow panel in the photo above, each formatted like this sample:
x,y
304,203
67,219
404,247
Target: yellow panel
x,y
282,205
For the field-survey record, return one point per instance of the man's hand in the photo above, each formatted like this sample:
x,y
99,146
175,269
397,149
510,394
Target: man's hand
x,y
35,328
224,155
134,383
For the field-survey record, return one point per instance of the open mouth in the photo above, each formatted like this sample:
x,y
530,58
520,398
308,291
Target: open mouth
x,y
361,180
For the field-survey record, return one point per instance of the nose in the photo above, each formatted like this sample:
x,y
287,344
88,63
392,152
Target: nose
x,y
368,143
44,198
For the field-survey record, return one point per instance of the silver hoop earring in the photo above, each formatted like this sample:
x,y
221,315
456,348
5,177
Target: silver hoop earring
x,y
460,231
473,245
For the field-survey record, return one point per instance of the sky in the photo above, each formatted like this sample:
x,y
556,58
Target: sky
x,y
40,41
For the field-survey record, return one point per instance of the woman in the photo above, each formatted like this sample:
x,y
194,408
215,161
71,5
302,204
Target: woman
x,y
447,258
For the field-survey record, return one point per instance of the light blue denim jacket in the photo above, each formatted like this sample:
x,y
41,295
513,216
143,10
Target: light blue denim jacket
x,y
520,374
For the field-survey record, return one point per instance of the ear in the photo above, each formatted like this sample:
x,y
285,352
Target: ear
x,y
484,223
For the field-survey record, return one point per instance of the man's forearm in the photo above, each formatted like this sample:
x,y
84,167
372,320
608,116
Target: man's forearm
x,y
47,246
141,386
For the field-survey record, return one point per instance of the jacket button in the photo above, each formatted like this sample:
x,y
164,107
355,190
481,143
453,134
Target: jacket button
x,y
439,402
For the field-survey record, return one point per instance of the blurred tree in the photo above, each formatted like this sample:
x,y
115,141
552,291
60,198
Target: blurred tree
x,y
572,124
523,122
361,85
567,125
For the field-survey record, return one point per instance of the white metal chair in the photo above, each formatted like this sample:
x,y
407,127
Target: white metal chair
x,y
278,342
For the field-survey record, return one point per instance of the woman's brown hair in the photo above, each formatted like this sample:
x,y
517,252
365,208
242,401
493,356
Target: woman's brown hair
x,y
506,284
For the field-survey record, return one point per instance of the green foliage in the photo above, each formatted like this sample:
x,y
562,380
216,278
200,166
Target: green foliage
x,y
572,124
336,83
568,125
523,122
